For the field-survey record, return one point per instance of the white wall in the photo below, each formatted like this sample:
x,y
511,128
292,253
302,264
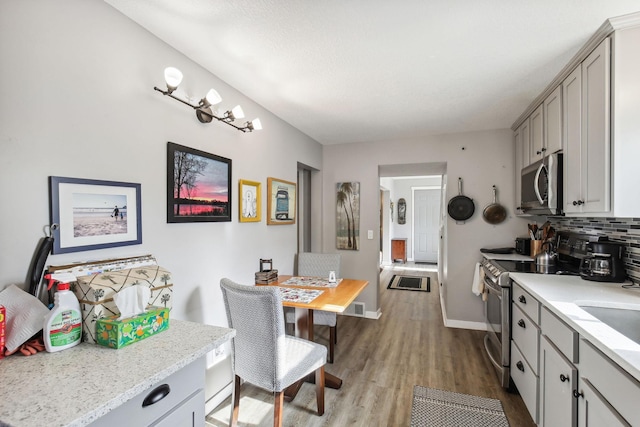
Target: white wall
x,y
77,100
480,158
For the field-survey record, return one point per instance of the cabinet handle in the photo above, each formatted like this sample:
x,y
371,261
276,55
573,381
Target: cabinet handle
x,y
521,323
578,202
522,299
538,152
563,378
577,395
520,366
156,395
544,149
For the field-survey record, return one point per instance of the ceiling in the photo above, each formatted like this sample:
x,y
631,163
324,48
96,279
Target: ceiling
x,y
345,71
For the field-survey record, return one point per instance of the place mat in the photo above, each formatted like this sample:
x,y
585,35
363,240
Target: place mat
x,y
410,283
304,296
432,407
320,282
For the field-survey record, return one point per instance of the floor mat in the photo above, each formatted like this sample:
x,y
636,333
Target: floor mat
x,y
432,407
410,283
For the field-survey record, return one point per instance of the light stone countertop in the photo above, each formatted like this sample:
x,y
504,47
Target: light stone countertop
x,y
510,257
76,386
562,294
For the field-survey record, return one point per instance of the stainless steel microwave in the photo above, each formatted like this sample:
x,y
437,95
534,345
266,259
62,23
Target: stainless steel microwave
x,y
541,186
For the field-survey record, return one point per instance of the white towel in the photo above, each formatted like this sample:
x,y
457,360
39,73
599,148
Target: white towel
x,y
478,280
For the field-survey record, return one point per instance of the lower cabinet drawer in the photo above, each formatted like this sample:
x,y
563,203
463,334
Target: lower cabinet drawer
x,y
159,400
527,336
526,380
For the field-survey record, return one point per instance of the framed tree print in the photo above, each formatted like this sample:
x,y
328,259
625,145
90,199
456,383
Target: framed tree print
x,y
198,185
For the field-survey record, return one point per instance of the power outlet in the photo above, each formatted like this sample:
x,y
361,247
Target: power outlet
x,y
370,234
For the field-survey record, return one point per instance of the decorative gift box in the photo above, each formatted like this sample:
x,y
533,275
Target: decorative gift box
x,y
114,333
95,293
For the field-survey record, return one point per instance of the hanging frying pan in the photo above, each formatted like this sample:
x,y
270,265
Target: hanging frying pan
x,y
494,213
460,207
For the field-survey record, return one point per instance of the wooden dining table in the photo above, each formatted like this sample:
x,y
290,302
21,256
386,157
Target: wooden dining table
x,y
335,299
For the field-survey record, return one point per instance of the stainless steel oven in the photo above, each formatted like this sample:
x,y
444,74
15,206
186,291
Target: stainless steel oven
x,y
497,295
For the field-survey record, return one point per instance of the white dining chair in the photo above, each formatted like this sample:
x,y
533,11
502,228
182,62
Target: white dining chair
x,y
319,265
263,354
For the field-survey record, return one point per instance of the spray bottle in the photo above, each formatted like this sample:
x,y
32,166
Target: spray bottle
x,y
63,325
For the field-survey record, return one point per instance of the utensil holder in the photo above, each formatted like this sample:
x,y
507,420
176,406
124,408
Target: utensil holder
x,y
536,247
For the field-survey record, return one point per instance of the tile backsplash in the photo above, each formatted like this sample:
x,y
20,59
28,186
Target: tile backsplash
x,y
624,230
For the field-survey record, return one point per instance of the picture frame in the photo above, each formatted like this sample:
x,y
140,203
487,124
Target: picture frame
x,y
198,186
282,201
348,215
250,201
92,214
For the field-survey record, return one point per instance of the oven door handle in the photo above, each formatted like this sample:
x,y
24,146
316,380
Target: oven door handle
x,y
488,351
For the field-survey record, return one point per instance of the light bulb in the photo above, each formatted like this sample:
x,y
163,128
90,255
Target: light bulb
x,y
173,78
256,124
213,97
237,112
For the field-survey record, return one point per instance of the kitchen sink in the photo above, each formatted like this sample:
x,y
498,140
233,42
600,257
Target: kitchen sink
x,y
624,318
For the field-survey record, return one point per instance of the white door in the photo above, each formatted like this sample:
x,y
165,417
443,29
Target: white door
x,y
426,222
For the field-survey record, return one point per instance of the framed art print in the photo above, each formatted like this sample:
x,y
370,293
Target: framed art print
x,y
94,214
281,202
250,198
198,185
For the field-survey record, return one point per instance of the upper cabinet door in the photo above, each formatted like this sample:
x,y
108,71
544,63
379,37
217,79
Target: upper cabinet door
x,y
572,115
536,121
596,134
553,122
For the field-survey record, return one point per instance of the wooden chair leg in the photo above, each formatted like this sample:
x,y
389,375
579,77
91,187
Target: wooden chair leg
x,y
278,405
320,389
331,343
235,407
335,332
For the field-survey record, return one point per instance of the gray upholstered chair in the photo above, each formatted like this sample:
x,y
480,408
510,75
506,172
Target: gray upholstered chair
x,y
319,265
262,354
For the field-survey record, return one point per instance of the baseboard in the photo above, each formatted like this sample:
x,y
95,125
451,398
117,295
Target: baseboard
x,y
218,398
460,324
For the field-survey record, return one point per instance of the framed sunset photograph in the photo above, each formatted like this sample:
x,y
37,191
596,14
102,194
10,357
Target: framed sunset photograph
x,y
198,185
92,214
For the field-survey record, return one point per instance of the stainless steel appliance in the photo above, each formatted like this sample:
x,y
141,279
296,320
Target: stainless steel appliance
x,y
523,245
571,250
541,186
603,262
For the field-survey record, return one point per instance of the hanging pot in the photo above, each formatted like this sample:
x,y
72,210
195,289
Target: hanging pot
x,y
495,213
460,207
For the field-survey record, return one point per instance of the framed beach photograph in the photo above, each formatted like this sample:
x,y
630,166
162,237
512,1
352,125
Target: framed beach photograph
x,y
281,202
94,214
250,198
198,185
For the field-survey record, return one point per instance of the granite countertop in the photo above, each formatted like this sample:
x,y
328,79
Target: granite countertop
x,y
562,294
76,386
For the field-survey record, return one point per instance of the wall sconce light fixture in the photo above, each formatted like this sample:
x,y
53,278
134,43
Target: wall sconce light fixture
x,y
173,78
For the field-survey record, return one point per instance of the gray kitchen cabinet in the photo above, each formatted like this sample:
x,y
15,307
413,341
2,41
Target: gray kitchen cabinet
x,y
552,122
605,390
521,160
525,337
558,375
587,159
176,401
536,121
599,100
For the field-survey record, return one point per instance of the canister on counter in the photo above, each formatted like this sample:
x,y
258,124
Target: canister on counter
x,y
3,323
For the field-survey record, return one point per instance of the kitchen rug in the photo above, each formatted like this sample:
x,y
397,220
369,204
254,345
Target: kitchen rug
x,y
439,408
410,283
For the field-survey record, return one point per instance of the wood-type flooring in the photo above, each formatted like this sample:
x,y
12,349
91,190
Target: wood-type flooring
x,y
380,361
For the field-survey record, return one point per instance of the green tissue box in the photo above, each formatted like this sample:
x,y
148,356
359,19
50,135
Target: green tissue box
x,y
119,333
